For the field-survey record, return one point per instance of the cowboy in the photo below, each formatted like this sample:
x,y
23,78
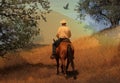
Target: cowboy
x,y
62,34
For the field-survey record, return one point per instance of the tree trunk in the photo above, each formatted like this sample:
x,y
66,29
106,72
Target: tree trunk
x,y
114,22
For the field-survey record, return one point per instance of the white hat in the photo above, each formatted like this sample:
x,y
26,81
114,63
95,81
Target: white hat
x,y
63,21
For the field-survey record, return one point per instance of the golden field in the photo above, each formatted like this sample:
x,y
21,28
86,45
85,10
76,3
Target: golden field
x,y
97,60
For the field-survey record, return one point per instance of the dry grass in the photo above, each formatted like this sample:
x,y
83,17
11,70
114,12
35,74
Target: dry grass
x,y
97,60
98,63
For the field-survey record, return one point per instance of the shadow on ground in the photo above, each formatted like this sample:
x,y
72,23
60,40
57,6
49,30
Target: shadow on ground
x,y
72,74
24,71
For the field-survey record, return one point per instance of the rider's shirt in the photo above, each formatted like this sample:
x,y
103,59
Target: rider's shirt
x,y
64,32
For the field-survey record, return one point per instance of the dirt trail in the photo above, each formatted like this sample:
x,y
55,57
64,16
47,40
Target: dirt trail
x,y
94,63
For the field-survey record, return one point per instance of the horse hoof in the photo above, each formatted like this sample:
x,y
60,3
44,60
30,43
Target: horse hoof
x,y
57,73
51,57
74,77
62,72
66,76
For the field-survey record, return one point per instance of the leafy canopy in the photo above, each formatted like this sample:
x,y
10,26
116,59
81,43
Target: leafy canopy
x,y
108,10
18,22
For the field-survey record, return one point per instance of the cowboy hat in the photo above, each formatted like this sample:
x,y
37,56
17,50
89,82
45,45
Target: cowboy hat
x,y
63,21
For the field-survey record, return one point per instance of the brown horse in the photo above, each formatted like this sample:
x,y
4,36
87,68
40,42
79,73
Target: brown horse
x,y
65,53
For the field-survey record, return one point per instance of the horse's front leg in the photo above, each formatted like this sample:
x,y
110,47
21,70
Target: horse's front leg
x,y
57,60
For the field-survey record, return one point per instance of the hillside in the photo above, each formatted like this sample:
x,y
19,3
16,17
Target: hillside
x,y
109,36
96,61
49,29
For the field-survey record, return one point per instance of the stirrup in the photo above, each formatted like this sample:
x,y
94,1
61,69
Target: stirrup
x,y
52,57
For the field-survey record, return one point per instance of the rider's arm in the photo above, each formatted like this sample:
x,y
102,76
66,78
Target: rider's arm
x,y
69,32
57,35
58,32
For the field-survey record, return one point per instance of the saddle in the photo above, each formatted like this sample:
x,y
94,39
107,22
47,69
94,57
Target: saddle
x,y
66,40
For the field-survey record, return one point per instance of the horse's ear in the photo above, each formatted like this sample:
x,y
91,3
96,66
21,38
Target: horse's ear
x,y
53,40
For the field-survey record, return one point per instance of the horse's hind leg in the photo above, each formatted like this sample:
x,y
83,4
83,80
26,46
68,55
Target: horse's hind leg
x,y
68,62
72,65
63,64
62,69
57,60
73,69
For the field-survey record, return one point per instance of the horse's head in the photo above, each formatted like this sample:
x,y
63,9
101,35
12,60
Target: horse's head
x,y
54,40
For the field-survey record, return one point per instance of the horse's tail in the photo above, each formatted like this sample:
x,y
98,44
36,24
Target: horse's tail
x,y
70,52
70,56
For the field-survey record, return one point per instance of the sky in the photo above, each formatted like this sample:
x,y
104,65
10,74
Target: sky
x,y
57,5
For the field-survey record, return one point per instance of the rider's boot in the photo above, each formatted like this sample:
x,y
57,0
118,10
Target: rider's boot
x,y
53,52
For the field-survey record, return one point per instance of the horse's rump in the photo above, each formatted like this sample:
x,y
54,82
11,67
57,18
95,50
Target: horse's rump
x,y
70,52
65,49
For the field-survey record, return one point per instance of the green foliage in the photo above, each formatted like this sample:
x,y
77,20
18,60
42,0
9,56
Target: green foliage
x,y
108,10
18,22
